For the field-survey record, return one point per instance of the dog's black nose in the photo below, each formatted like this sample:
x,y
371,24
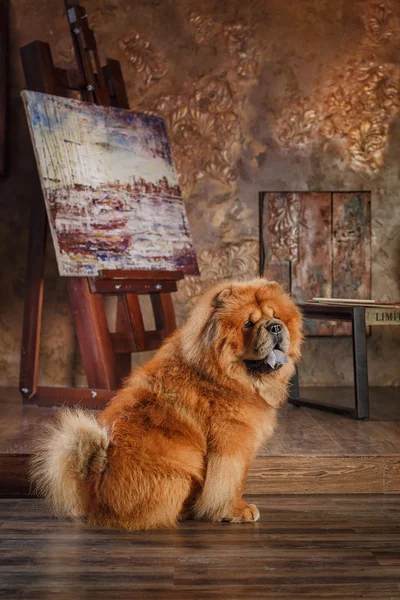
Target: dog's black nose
x,y
274,328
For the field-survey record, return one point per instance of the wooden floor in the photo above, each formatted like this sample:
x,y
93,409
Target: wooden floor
x,y
305,546
307,432
311,547
311,452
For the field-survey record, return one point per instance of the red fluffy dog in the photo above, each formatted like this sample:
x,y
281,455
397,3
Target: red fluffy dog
x,y
179,437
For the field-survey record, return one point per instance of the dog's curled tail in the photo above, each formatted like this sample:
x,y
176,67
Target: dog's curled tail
x,y
70,449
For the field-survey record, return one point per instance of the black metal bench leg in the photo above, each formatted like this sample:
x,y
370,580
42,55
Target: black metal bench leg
x,y
360,364
294,385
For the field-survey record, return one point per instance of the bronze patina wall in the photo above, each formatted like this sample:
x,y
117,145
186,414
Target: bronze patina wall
x,y
299,95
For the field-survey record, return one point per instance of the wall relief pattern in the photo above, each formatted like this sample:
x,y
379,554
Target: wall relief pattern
x,y
359,103
204,120
238,38
231,261
142,57
204,131
284,212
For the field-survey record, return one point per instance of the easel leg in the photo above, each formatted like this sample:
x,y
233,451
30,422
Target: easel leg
x,y
164,314
294,385
94,338
136,320
33,302
123,325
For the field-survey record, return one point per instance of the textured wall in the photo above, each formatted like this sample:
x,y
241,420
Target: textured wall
x,y
295,95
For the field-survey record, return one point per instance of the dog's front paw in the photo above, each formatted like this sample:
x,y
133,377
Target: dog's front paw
x,y
247,513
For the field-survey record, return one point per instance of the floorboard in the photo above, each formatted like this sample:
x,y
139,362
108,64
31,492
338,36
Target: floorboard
x,y
325,547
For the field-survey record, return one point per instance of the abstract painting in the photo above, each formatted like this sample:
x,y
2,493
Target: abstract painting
x,y
110,187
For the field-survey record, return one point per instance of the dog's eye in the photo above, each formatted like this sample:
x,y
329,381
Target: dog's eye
x,y
249,324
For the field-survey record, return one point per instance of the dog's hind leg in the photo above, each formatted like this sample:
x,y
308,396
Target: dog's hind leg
x,y
144,500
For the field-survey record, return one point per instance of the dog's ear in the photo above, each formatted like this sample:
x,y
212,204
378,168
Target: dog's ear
x,y
211,332
219,299
273,285
271,288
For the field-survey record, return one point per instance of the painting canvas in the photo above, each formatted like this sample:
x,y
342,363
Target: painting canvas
x,y
110,187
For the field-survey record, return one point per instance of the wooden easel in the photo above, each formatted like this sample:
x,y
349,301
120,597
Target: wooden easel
x,y
106,356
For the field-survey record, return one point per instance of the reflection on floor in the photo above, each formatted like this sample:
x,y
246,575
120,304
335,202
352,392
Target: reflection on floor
x,y
311,547
306,431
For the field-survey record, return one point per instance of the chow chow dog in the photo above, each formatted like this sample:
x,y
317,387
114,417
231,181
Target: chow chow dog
x,y
178,438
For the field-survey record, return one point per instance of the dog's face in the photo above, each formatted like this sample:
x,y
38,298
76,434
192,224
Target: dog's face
x,y
255,321
250,330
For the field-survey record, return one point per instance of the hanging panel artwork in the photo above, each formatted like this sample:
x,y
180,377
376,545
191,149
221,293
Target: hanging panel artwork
x,y
318,244
280,221
351,247
312,272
